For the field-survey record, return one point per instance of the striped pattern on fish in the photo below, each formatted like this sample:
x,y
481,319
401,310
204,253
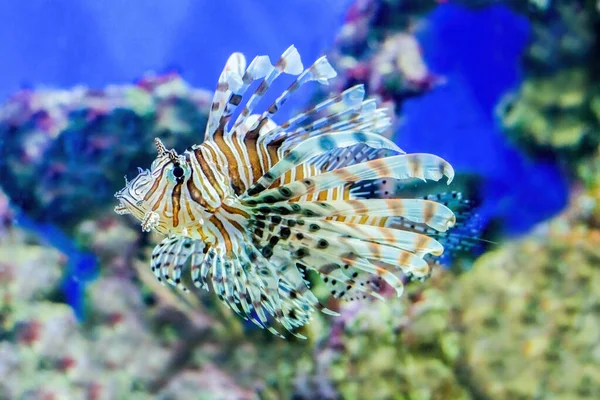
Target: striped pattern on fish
x,y
257,205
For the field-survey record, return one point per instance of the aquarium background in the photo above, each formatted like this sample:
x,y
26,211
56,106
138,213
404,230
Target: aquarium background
x,y
506,91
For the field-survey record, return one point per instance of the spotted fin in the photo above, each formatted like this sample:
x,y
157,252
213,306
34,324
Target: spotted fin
x,y
340,158
422,166
169,258
468,238
318,145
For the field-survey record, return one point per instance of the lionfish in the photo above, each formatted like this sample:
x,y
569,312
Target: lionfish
x,y
258,205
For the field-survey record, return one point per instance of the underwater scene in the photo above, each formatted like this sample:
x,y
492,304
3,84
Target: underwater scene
x,y
300,199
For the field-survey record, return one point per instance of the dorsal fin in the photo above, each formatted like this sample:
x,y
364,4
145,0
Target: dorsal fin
x,y
229,82
290,63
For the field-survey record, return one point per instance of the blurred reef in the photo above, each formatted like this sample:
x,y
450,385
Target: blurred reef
x,y
63,155
522,324
555,113
507,91
64,151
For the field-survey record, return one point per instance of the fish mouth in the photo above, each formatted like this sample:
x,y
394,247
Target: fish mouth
x,y
127,201
121,208
128,204
131,197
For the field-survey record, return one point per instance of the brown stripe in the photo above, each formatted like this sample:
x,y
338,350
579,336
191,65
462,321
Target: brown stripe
x,y
293,87
272,157
395,206
428,211
346,192
219,225
236,225
375,250
266,161
176,199
327,269
388,235
336,193
195,194
242,152
281,63
358,205
156,183
300,171
255,169
345,176
421,242
234,173
262,88
207,170
287,178
269,156
234,210
254,133
200,231
382,168
415,166
323,195
404,258
189,211
247,78
159,200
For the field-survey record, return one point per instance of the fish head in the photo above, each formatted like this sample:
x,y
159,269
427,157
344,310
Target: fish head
x,y
153,195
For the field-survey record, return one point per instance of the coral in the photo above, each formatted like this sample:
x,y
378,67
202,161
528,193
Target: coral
x,y
562,35
524,311
28,271
205,384
113,239
396,349
123,350
554,113
523,323
64,152
377,46
530,315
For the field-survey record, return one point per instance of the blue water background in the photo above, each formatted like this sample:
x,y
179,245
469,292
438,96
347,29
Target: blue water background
x,y
64,43
81,267
479,52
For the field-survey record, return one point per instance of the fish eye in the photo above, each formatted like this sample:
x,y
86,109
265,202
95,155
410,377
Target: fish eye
x,y
178,171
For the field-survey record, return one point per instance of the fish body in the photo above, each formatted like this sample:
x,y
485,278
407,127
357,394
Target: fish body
x,y
258,205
